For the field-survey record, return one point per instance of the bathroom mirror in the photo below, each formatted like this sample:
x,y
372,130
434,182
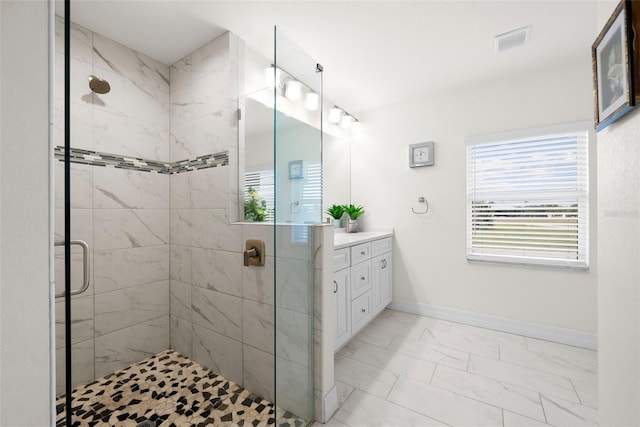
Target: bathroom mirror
x,y
258,162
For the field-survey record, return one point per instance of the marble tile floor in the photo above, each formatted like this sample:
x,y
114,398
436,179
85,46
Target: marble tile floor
x,y
407,370
168,389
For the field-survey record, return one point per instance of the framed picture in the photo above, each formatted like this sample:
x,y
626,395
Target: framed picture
x,y
421,154
295,169
613,68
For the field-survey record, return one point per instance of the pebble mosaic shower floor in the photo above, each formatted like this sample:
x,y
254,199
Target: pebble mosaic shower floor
x,y
169,389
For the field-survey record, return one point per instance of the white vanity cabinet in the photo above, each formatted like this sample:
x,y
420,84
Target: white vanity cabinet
x,y
362,280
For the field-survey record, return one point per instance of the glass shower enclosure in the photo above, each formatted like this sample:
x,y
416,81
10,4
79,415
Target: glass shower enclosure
x,y
149,214
298,195
281,139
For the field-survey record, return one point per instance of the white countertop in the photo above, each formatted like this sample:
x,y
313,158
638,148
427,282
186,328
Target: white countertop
x,y
342,239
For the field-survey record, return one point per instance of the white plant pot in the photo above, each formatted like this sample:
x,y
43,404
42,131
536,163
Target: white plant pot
x,y
352,225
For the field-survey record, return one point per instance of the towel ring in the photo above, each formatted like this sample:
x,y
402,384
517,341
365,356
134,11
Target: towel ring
x,y
426,206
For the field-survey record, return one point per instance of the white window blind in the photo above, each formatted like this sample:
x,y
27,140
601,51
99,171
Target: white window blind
x,y
528,197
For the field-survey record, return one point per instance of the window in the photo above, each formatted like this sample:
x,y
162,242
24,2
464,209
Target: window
x,y
528,197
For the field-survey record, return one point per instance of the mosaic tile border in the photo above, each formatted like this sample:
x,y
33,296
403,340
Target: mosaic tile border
x,y
95,158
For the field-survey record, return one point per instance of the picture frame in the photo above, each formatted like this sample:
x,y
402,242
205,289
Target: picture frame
x,y
296,169
614,85
421,154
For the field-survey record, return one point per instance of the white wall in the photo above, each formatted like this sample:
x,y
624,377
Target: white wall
x,y
24,177
430,264
619,272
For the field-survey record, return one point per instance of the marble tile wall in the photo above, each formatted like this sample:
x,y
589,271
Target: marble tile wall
x,y
208,310
206,303
122,214
295,307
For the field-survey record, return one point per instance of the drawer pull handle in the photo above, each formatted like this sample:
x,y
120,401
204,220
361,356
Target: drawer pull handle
x,y
336,287
364,310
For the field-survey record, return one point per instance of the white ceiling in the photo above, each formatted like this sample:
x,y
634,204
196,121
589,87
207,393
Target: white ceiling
x,y
374,53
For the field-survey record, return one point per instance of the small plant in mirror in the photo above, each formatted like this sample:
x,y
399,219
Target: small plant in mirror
x,y
255,207
353,211
335,211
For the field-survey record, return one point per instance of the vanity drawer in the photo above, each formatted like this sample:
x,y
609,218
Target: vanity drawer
x,y
360,312
341,259
379,247
360,278
360,252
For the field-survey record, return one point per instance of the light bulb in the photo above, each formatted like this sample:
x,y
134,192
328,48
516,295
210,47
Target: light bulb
x,y
293,90
346,122
269,78
312,101
334,115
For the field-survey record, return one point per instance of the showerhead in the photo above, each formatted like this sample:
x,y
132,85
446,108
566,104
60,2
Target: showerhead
x,y
99,85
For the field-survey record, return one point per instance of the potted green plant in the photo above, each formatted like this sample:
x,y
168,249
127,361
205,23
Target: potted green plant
x,y
335,212
353,212
255,207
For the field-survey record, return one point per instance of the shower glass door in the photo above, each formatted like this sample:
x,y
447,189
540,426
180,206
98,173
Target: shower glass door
x,y
112,205
73,238
298,205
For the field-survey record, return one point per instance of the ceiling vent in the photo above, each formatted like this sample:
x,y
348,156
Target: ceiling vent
x,y
511,39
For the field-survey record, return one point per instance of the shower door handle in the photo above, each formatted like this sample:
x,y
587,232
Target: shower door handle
x,y
85,267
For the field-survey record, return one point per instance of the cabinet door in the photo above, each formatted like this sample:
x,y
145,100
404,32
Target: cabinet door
x,y
381,282
386,278
342,297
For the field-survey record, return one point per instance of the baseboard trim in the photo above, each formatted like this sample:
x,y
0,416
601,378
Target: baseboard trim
x,y
502,324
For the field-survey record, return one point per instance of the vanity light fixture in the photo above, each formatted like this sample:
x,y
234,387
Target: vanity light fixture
x,y
346,121
312,101
270,79
335,114
293,90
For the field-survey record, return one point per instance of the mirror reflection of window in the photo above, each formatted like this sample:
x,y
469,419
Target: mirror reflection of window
x,y
299,200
